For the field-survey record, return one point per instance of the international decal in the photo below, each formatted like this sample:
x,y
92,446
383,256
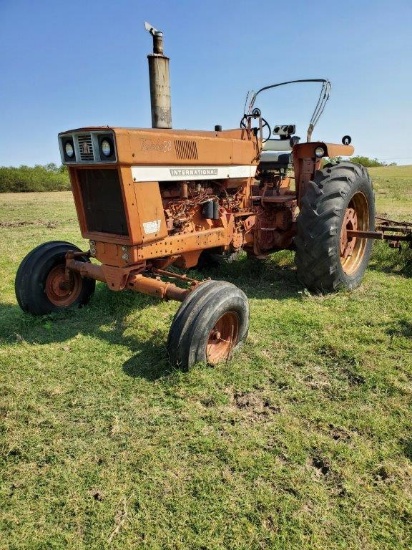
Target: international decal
x,y
179,172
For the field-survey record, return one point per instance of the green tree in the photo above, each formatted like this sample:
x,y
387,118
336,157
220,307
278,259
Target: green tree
x,y
38,178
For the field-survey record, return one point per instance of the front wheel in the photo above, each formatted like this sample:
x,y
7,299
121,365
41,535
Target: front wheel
x,y
209,325
41,284
339,200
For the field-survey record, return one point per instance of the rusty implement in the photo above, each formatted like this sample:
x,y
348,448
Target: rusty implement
x,y
392,231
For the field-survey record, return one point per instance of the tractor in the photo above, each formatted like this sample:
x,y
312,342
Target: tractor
x,y
154,202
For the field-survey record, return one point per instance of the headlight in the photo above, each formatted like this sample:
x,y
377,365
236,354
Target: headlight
x,y
69,149
320,152
106,147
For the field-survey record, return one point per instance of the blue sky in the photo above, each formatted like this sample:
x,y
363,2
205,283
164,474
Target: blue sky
x,y
71,63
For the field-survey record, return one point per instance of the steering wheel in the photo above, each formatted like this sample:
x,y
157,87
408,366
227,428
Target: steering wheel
x,y
265,124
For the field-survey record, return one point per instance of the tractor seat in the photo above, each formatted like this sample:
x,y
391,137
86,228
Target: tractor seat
x,y
276,153
277,145
271,158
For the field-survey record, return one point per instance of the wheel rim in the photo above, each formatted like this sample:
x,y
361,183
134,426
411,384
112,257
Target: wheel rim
x,y
223,338
356,218
60,291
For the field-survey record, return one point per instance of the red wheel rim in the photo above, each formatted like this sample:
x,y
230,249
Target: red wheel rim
x,y
60,291
222,338
356,218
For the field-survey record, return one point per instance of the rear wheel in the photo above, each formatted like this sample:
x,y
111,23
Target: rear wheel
x,y
41,284
209,325
340,199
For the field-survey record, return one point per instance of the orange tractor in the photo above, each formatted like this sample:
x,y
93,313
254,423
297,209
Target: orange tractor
x,y
150,199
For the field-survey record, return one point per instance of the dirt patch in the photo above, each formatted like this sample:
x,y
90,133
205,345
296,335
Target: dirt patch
x,y
321,465
339,434
50,225
254,405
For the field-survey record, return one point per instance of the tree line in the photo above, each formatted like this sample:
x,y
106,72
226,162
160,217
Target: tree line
x,y
366,161
23,179
51,177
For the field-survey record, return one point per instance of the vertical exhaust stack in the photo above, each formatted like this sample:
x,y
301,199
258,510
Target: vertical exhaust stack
x,y
159,82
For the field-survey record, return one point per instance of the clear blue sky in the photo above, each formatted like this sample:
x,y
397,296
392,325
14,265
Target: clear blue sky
x,y
72,63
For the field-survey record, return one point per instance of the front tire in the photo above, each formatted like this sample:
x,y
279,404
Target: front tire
x,y
209,325
338,200
41,285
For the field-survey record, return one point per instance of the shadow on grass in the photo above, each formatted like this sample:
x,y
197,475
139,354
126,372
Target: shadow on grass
x,y
391,260
155,366
106,308
406,445
274,277
258,279
402,328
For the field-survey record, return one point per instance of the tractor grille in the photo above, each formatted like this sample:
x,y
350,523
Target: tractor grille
x,y
86,147
102,201
186,149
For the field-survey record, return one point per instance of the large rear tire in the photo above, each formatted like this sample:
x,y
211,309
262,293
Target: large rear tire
x,y
41,285
339,199
209,325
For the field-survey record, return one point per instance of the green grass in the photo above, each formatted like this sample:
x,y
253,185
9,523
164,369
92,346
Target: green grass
x,y
393,189
301,441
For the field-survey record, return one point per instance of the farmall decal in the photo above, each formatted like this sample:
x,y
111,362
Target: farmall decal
x,y
158,145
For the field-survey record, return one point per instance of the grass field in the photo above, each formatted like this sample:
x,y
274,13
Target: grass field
x,y
302,441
